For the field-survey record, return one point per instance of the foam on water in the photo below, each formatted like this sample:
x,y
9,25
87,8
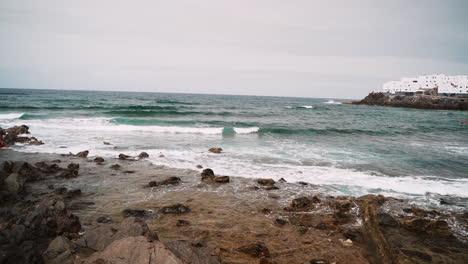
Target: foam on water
x,y
331,102
10,116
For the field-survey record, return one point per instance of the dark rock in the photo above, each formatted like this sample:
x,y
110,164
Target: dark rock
x,y
267,211
106,143
387,220
115,166
143,155
282,180
169,181
73,193
443,201
103,220
268,182
60,190
301,203
82,154
303,183
181,222
418,225
222,179
207,174
258,250
98,160
23,129
175,209
199,166
10,139
129,171
414,253
137,213
280,221
73,166
270,188
57,247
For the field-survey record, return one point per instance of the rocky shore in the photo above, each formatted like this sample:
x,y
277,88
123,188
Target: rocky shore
x,y
420,101
79,208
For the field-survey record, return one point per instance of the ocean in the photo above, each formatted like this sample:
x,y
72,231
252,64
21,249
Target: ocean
x,y
420,155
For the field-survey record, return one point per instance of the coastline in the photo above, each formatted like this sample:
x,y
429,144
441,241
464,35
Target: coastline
x,y
292,220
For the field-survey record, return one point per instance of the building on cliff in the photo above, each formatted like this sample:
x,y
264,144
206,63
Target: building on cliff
x,y
443,84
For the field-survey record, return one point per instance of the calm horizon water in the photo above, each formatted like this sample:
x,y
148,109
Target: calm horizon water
x,y
415,154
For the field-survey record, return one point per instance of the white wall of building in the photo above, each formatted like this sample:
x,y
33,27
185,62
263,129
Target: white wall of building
x,y
457,84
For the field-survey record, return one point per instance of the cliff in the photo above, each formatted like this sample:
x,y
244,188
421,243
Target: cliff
x,y
419,101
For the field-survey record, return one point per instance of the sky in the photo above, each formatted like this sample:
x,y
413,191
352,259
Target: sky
x,y
326,49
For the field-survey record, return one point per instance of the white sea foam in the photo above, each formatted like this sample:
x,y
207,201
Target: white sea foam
x,y
246,130
331,102
11,116
307,106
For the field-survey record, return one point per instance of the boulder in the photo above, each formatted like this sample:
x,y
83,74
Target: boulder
x,y
57,247
115,166
199,166
98,159
268,182
215,150
14,183
124,157
98,238
169,181
143,155
82,154
207,174
137,213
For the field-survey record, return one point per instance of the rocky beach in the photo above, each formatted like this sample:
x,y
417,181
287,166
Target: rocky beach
x,y
76,208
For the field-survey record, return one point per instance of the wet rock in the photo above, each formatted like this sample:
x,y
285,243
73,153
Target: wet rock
x,y
258,250
443,201
83,154
387,220
182,222
342,213
307,220
268,182
57,247
73,193
417,224
101,236
60,190
301,203
271,188
73,166
303,183
23,129
418,254
199,166
10,139
266,211
143,155
161,156
169,181
222,179
68,174
47,169
103,220
282,180
129,171
98,159
14,183
215,150
123,157
137,213
207,174
29,140
175,209
115,166
106,143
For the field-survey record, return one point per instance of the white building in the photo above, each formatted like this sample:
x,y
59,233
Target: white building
x,y
446,85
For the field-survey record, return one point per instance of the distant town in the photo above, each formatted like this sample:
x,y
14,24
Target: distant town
x,y
437,84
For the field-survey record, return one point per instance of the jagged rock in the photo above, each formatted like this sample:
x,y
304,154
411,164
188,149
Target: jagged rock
x,y
301,203
82,154
98,238
139,250
221,179
73,166
387,220
280,221
268,182
282,180
29,140
169,181
23,129
98,159
175,209
143,155
215,150
207,174
258,250
137,213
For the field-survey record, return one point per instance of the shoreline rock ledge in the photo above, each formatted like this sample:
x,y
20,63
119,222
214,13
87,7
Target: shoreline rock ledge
x,y
419,101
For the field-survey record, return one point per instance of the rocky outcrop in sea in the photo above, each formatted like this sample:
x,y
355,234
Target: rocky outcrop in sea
x,y
420,101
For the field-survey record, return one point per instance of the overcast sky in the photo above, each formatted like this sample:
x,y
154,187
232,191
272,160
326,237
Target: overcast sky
x,y
337,49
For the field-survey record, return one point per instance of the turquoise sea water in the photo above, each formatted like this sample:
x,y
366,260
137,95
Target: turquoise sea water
x,y
347,149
